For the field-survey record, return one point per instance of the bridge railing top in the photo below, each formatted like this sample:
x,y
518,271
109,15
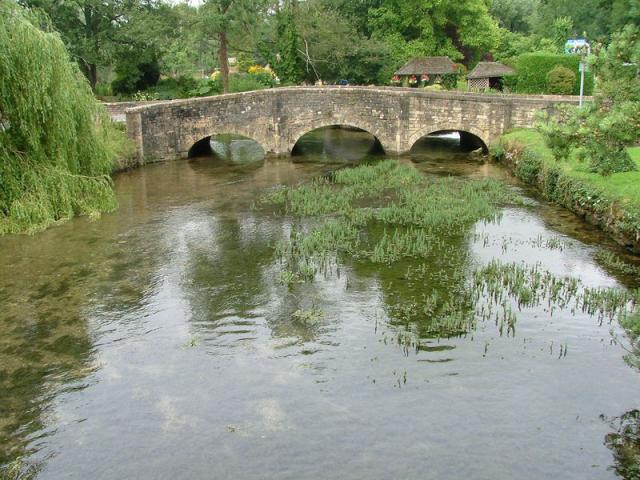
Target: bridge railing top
x,y
395,91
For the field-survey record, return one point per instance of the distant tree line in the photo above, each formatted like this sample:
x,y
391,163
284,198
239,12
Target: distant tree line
x,y
363,41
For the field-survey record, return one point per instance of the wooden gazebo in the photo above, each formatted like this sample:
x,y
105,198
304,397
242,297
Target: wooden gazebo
x,y
424,71
488,75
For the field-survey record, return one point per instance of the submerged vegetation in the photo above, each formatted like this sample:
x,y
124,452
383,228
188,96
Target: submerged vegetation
x,y
57,146
389,214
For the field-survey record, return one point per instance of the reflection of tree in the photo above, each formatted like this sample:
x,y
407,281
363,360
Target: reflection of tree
x,y
225,277
46,347
421,295
625,445
45,342
232,278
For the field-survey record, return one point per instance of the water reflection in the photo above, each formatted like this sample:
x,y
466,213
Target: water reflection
x,y
441,152
228,149
337,144
160,341
624,442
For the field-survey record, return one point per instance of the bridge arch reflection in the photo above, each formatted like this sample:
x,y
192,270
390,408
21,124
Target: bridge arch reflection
x,y
229,148
339,143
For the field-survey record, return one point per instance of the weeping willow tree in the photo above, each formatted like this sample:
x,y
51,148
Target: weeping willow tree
x,y
57,145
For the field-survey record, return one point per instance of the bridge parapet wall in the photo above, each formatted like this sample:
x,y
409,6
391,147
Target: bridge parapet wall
x,y
277,118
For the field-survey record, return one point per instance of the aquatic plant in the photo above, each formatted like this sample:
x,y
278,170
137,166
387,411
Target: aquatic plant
x,y
18,470
530,286
386,213
613,262
57,147
310,317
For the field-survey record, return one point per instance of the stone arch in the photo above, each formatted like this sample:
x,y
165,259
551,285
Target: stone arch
x,y
425,131
308,128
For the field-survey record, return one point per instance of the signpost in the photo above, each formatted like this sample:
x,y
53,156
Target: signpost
x,y
579,46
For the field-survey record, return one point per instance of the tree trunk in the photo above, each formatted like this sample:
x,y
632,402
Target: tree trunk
x,y
224,61
92,73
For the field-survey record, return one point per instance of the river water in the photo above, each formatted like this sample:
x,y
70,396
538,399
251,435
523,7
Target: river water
x,y
157,342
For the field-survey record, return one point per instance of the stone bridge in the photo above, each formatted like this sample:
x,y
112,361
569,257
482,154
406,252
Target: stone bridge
x,y
277,118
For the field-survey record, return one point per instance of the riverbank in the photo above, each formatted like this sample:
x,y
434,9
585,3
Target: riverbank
x,y
612,203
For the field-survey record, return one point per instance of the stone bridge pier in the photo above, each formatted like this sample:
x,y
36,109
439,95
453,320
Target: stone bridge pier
x,y
277,118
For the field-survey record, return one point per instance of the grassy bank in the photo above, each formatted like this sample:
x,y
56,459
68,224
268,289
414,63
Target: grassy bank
x,y
612,203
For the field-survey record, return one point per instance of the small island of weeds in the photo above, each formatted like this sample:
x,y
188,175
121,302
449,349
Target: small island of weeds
x,y
390,215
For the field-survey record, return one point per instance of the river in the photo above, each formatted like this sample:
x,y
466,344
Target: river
x,y
158,342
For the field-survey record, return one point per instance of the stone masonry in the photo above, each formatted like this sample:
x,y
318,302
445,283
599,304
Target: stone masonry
x,y
277,118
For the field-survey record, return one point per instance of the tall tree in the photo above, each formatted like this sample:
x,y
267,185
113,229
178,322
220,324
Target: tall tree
x,y
288,63
604,128
335,48
88,29
513,14
598,19
224,19
464,30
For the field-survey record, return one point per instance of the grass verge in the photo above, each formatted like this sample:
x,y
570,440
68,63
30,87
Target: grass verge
x,y
612,203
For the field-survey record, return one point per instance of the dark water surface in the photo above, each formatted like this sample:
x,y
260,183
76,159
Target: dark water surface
x,y
157,343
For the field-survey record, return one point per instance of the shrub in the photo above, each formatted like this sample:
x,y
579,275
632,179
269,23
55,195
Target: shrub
x,y
247,82
560,80
104,90
450,80
205,88
529,166
532,70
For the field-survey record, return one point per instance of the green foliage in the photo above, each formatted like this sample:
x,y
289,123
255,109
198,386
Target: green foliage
x,y
624,441
513,15
533,68
561,30
88,29
599,19
560,80
249,81
604,128
136,72
103,90
614,200
19,470
409,210
288,63
450,80
513,44
226,22
463,30
618,66
245,60
56,143
174,31
334,49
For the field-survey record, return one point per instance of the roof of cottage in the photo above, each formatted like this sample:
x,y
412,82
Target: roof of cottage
x,y
490,70
427,65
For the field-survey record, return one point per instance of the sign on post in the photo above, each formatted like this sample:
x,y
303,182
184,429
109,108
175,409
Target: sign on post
x,y
579,46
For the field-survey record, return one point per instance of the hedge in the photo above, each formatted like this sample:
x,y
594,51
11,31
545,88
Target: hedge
x,y
532,70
